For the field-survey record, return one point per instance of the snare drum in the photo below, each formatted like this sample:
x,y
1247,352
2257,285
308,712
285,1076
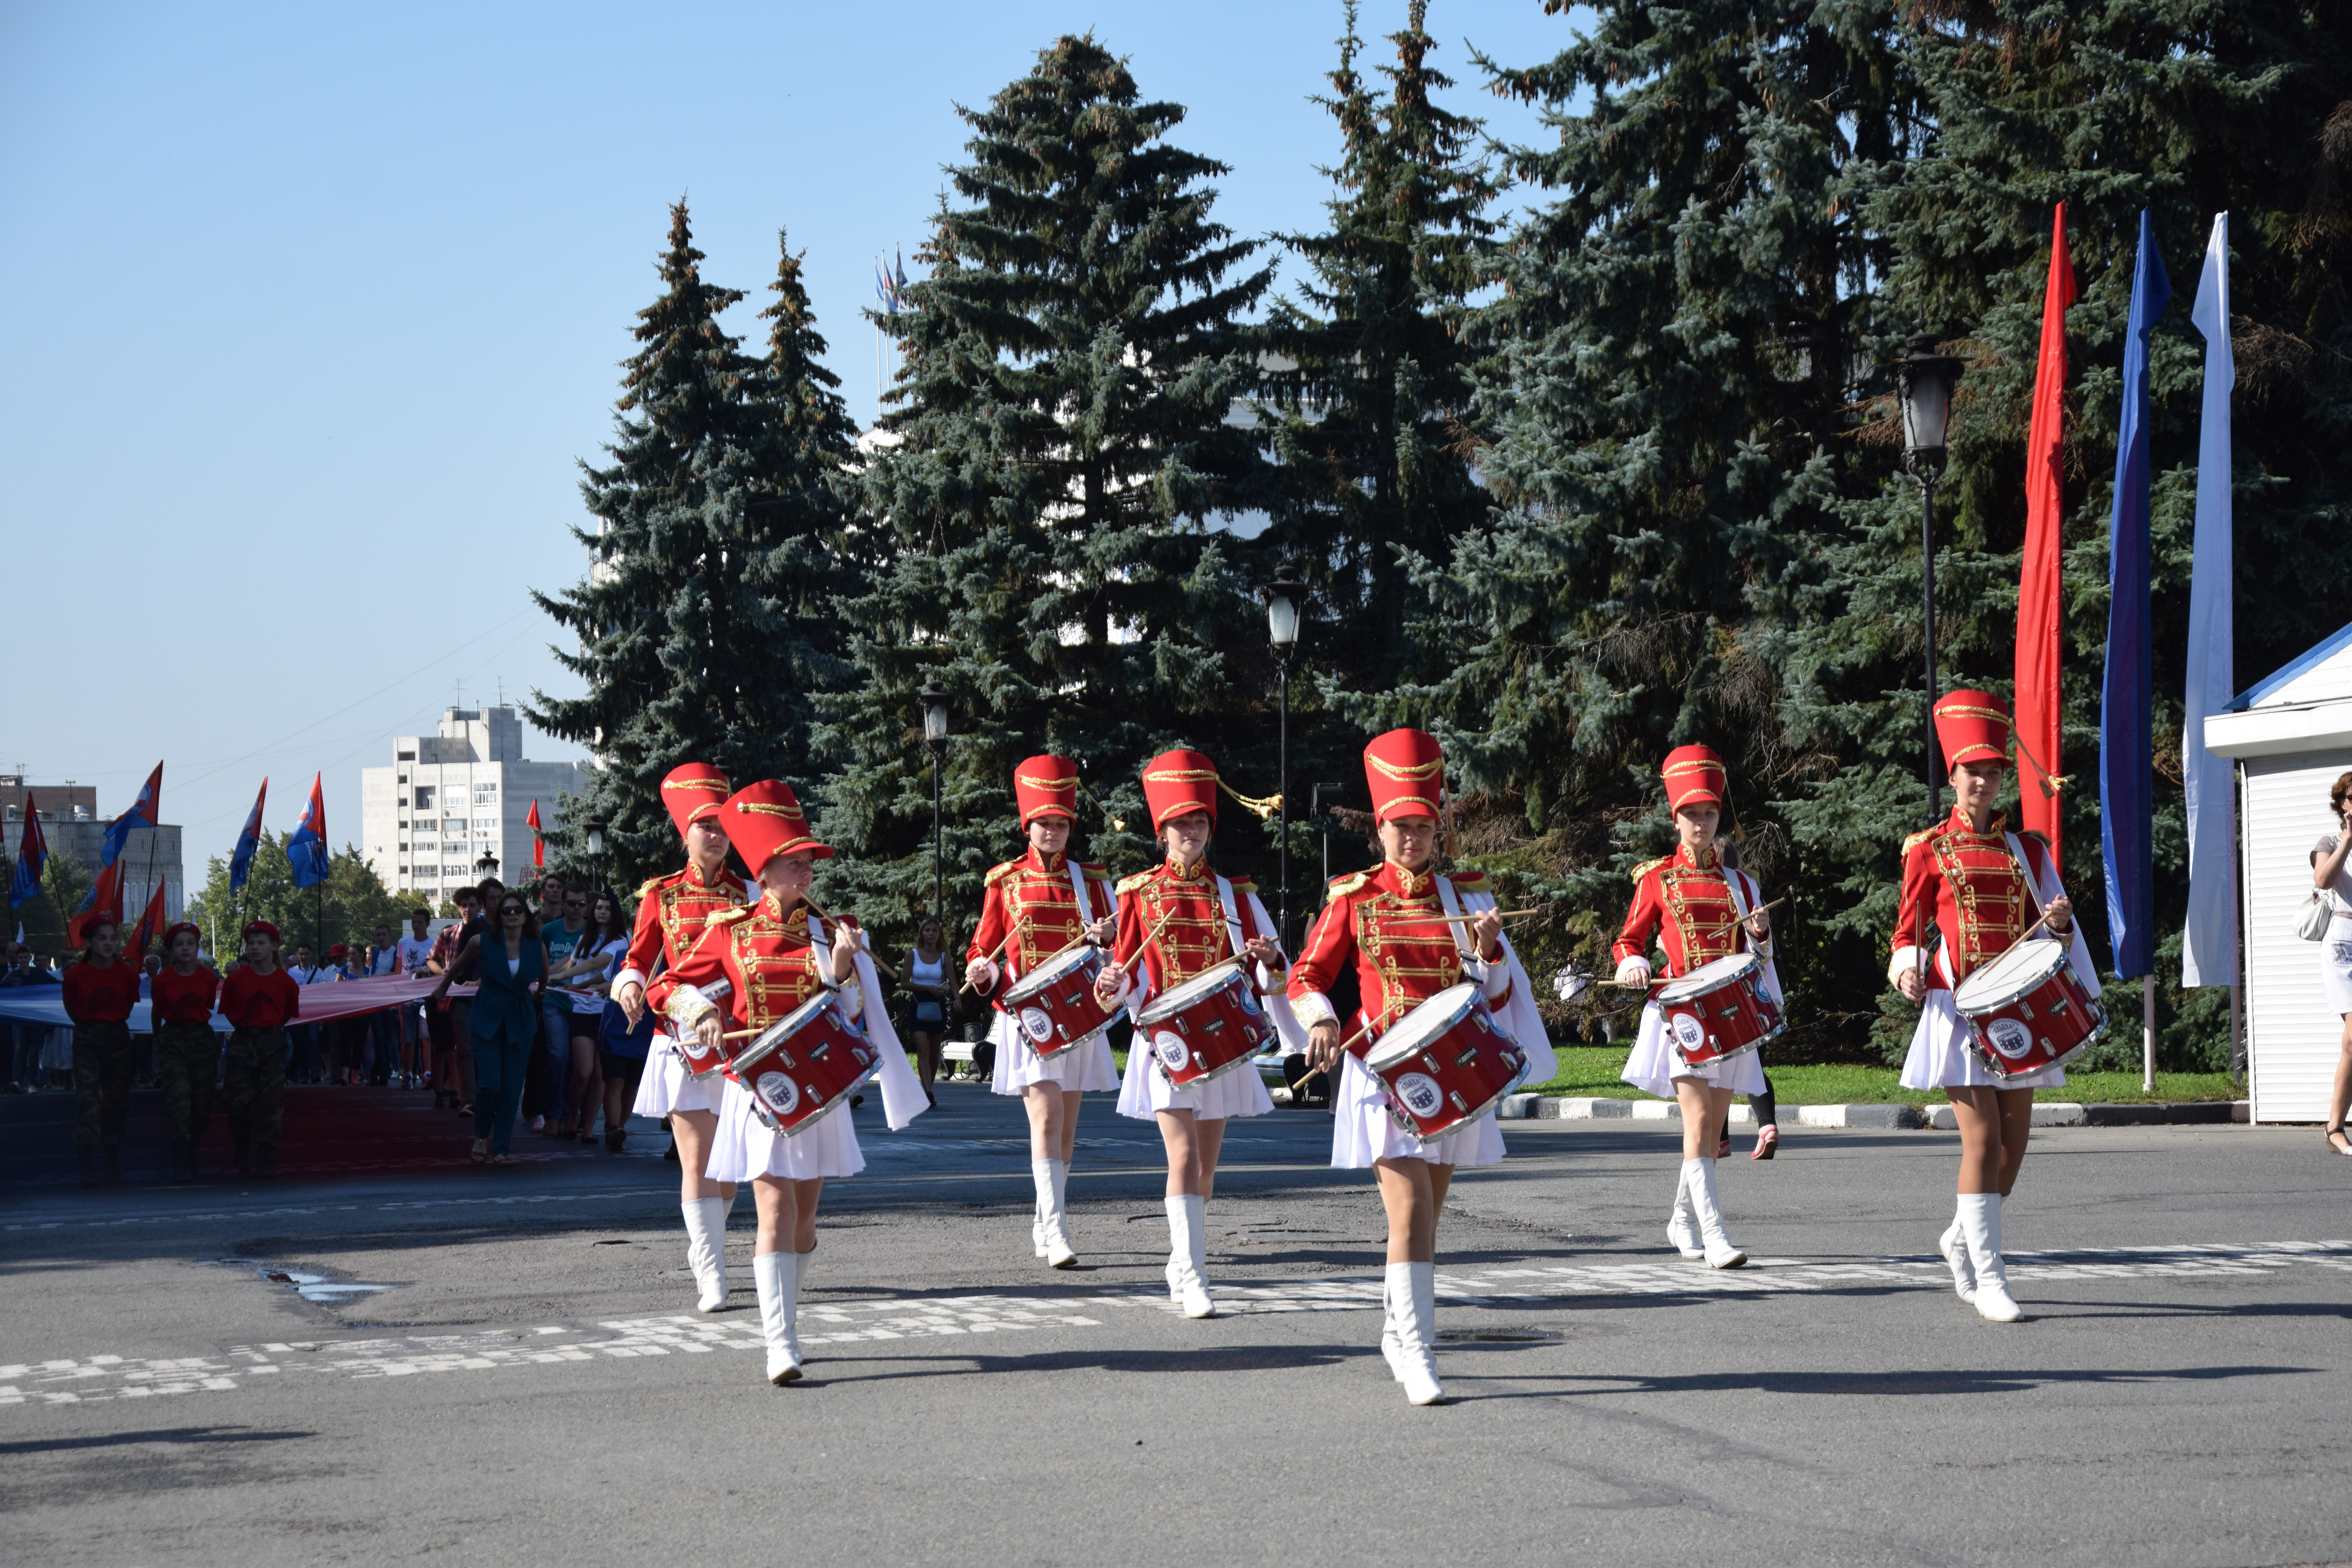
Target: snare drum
x,y
2026,1012
1445,1063
1054,1005
1719,1011
685,1003
802,1065
1210,1025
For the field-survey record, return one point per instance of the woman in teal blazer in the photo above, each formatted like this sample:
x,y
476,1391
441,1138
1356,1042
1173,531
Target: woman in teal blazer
x,y
510,965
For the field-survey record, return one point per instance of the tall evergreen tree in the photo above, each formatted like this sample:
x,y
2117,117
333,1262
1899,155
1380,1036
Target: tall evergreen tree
x,y
701,625
1052,474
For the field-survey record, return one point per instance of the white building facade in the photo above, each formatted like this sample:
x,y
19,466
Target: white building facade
x,y
448,800
2291,738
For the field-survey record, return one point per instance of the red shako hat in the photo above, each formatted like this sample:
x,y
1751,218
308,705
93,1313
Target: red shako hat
x,y
1046,787
1406,770
1176,783
692,791
1693,774
1972,726
764,820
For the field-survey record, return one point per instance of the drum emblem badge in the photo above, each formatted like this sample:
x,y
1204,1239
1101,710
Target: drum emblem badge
x,y
1170,1048
780,1093
1421,1093
1688,1032
1036,1025
2009,1038
1248,999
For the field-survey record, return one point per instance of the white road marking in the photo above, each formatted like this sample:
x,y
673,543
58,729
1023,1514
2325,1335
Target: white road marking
x,y
884,1318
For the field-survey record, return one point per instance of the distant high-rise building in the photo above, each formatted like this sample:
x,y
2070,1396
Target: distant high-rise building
x,y
449,799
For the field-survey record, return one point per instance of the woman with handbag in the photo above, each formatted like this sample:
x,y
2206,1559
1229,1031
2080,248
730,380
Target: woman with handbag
x,y
2331,883
927,1014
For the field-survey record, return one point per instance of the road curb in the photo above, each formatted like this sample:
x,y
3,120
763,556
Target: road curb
x,y
2051,1113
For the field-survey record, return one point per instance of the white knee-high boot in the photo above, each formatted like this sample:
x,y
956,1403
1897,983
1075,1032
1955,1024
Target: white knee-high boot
x,y
1187,1255
1391,1346
1980,1218
1682,1229
1046,1174
1699,1180
706,1251
1954,1245
1413,1290
778,1274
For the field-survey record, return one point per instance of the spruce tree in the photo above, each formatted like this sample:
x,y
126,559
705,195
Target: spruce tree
x,y
702,623
1051,476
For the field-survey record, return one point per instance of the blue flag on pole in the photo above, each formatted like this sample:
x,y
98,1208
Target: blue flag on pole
x,y
240,863
145,812
305,848
2209,938
32,855
2126,690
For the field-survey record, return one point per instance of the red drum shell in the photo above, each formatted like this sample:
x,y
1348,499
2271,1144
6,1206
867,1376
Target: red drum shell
x,y
1445,1063
1054,1005
1208,1026
1719,1011
701,1061
2025,1011
802,1067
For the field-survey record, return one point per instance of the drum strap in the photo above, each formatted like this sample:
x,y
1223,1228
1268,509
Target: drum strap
x,y
1079,887
2025,874
1452,903
1232,916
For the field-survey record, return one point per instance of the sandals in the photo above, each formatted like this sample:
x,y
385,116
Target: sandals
x,y
1768,1143
480,1153
502,1159
2337,1143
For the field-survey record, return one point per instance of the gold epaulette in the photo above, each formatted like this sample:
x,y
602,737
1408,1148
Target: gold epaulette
x,y
1243,884
1646,866
1134,883
1096,869
1343,886
730,914
998,873
1922,836
1470,881
648,890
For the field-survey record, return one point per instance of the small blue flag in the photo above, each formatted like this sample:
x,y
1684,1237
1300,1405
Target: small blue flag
x,y
32,856
305,848
240,863
145,812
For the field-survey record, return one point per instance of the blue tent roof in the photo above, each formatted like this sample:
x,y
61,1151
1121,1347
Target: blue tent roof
x,y
2311,657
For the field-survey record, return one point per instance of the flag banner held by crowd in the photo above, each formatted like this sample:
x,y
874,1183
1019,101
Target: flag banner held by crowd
x,y
240,863
2127,758
45,1005
2209,940
306,849
147,811
32,857
2039,612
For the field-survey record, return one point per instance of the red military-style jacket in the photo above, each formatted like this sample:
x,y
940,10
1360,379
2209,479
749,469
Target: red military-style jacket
x,y
1032,908
768,961
1183,913
1973,887
1685,905
1400,961
671,912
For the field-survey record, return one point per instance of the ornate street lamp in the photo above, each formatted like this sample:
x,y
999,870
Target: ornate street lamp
x,y
1924,381
1284,597
935,737
592,834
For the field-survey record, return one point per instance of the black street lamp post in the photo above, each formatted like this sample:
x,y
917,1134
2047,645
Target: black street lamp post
x,y
593,835
935,737
1284,597
1924,381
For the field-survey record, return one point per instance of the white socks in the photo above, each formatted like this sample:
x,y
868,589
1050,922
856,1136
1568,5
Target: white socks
x,y
1698,1181
780,1291
1954,1245
1412,1291
1051,1231
1682,1229
706,1249
1980,1221
1188,1255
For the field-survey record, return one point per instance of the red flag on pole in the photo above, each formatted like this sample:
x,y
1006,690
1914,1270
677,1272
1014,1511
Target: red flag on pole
x,y
538,845
105,902
2037,608
150,926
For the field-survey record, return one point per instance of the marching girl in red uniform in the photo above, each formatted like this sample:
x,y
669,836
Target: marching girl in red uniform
x,y
1381,924
1697,910
1970,873
1176,920
670,914
776,955
1034,909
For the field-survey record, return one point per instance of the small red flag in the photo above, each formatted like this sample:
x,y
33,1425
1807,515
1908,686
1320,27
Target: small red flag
x,y
105,902
150,926
2039,613
538,845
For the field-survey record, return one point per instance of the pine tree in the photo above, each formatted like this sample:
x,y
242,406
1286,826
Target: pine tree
x,y
702,625
1052,475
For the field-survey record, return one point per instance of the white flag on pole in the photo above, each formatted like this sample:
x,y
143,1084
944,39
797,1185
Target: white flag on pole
x,y
2209,946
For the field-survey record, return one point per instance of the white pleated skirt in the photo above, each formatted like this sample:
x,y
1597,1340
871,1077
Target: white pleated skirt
x,y
1087,1065
1939,1057
1362,1131
744,1147
1145,1091
1654,1067
2335,966
665,1087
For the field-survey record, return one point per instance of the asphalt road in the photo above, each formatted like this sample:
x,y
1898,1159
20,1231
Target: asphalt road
x,y
535,1388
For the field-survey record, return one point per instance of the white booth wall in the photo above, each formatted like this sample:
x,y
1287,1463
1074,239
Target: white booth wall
x,y
2292,1037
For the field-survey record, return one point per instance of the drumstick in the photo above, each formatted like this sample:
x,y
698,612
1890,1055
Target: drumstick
x,y
990,959
1317,1072
1738,920
1461,919
879,962
1158,926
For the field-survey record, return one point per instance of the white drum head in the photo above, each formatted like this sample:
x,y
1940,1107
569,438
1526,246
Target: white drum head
x,y
1422,1025
1053,972
1710,977
2009,976
1173,1002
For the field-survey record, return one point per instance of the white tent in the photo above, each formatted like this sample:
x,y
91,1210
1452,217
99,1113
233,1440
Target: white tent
x,y
2291,738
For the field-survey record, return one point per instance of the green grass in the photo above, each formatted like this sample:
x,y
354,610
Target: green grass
x,y
1592,1071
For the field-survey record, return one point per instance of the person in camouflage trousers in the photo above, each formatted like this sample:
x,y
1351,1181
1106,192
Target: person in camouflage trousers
x,y
187,1052
99,992
259,999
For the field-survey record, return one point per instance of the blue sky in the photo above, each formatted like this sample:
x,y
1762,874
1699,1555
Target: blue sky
x,y
309,311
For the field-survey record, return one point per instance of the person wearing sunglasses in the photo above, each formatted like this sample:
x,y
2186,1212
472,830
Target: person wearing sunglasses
x,y
509,967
